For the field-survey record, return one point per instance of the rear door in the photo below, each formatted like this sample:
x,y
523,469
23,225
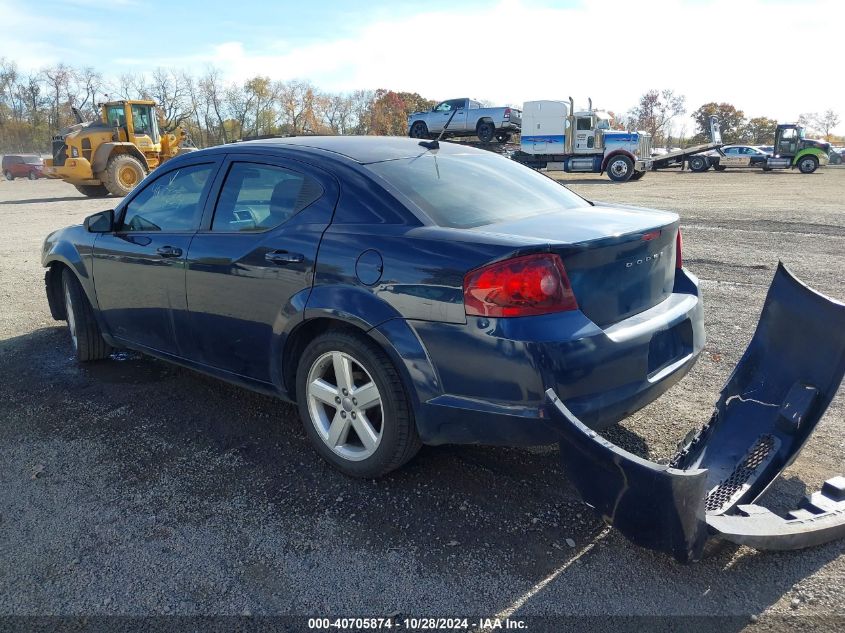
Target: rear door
x,y
139,270
250,268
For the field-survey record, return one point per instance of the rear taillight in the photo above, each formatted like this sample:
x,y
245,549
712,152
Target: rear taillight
x,y
507,113
522,286
679,250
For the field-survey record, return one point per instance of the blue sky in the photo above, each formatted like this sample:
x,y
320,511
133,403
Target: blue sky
x,y
506,51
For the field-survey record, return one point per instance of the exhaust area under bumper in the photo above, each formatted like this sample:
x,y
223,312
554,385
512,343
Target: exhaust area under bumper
x,y
768,408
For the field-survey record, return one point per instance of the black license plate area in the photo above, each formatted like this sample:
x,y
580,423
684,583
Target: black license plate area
x,y
668,346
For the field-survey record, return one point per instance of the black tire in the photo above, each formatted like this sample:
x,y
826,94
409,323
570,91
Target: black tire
x,y
86,337
719,167
419,130
486,131
8,175
620,168
503,137
399,440
808,164
120,167
32,175
92,191
698,164
637,175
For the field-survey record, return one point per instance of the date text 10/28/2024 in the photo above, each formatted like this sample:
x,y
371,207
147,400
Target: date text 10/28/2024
x,y
416,624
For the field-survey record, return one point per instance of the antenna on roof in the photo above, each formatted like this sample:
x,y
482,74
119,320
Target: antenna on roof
x,y
435,144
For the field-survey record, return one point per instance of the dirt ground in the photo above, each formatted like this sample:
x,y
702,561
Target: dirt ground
x,y
134,487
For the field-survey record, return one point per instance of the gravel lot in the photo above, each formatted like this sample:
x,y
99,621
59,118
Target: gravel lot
x,y
135,487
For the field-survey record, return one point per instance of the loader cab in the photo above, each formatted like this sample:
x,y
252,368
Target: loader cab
x,y
788,139
135,122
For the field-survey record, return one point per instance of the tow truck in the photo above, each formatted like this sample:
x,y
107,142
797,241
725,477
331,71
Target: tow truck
x,y
693,156
791,150
556,138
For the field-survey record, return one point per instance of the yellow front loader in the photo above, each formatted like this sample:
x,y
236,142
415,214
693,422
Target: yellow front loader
x,y
113,154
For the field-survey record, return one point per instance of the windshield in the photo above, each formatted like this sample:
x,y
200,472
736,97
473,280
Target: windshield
x,y
32,160
467,190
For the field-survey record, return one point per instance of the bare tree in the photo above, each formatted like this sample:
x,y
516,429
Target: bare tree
x,y
656,110
57,78
211,88
86,84
820,123
297,105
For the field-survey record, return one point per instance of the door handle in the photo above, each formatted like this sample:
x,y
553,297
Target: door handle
x,y
169,251
283,257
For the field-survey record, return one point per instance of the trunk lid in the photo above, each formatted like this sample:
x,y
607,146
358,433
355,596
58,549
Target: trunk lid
x,y
620,260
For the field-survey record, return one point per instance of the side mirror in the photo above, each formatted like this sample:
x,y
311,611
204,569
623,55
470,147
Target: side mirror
x,y
102,222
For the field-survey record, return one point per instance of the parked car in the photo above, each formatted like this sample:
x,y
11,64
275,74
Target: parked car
x,y
468,118
399,295
836,155
751,157
22,166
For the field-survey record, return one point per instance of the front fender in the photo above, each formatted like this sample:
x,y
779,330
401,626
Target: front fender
x,y
616,153
73,248
814,151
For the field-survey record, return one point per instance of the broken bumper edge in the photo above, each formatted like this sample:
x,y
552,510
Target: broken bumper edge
x,y
770,405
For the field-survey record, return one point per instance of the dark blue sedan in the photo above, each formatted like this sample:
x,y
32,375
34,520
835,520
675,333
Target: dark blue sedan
x,y
399,294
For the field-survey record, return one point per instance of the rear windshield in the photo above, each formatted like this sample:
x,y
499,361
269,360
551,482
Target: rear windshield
x,y
467,190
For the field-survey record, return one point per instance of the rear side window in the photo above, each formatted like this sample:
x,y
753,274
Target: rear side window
x,y
172,202
467,190
258,197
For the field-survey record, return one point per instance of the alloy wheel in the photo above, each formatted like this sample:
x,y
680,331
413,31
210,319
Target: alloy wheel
x,y
71,318
345,406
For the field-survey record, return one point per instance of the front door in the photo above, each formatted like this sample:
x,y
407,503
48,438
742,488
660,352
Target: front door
x,y
139,270
787,142
252,264
585,135
144,127
444,111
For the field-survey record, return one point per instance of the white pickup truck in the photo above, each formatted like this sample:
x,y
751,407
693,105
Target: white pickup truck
x,y
469,119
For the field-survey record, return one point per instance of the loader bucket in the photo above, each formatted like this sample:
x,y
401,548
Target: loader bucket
x,y
768,408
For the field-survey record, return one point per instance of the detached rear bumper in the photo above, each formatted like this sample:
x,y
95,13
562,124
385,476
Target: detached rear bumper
x,y
769,407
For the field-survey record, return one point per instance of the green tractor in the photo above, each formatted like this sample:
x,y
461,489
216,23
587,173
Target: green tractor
x,y
793,150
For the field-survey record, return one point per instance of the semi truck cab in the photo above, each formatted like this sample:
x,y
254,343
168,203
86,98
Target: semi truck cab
x,y
555,137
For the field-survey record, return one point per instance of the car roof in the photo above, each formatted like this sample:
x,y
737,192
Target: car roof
x,y
361,149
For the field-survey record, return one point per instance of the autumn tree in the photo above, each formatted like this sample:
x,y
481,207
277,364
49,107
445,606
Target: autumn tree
x,y
389,111
731,122
655,112
759,130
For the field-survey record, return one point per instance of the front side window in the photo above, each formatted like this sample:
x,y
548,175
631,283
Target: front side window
x,y
467,190
258,197
116,116
141,119
584,124
171,202
446,106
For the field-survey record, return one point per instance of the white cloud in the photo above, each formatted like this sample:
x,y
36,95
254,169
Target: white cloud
x,y
777,59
